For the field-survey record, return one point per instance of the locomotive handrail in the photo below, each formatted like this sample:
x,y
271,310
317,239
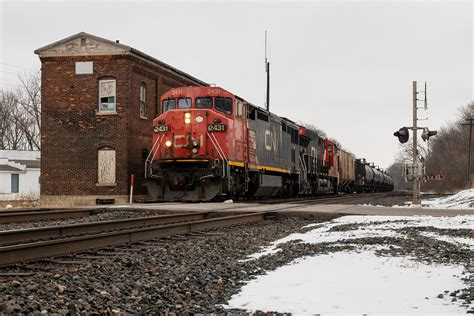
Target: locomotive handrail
x,y
151,152
220,152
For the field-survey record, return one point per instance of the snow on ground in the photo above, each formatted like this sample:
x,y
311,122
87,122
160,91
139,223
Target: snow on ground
x,y
461,200
375,226
358,282
344,282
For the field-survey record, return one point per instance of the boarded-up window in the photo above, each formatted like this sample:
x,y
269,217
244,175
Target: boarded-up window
x,y
106,167
107,95
143,113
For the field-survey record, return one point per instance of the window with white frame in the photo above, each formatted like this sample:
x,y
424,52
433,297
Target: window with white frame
x,y
107,97
106,167
143,113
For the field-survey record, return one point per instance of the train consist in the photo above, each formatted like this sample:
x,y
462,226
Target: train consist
x,y
209,143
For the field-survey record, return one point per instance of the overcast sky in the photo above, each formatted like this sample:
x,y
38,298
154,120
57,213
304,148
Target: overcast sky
x,y
344,66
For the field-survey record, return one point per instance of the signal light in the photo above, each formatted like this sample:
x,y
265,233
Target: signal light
x,y
426,134
402,134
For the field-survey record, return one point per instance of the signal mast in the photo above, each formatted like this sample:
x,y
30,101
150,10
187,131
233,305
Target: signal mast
x,y
403,136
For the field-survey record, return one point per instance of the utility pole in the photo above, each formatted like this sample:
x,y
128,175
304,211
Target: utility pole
x,y
469,178
416,193
267,69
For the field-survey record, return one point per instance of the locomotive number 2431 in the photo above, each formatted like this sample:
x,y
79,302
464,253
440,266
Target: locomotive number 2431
x,y
216,128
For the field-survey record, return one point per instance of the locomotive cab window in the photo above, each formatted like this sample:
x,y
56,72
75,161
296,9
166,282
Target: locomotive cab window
x,y
169,104
203,103
224,105
184,103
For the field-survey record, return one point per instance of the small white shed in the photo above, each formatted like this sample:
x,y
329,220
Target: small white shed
x,y
19,174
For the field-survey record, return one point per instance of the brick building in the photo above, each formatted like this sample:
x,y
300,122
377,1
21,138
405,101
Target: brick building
x,y
99,98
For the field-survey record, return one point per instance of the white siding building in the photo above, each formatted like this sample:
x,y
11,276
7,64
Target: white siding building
x,y
19,174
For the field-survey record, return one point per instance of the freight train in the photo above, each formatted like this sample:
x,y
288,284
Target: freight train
x,y
209,143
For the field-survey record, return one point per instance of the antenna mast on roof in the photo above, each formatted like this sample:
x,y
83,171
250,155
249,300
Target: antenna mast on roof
x,y
267,69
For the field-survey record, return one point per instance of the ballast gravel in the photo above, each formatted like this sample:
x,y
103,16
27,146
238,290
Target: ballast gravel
x,y
109,215
188,274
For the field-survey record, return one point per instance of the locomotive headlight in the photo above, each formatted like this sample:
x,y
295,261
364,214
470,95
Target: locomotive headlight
x,y
168,143
187,118
195,143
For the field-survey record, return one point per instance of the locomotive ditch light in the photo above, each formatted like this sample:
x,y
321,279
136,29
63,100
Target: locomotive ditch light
x,y
195,143
168,143
426,134
402,134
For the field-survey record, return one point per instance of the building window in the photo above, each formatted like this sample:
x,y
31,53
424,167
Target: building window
x,y
107,95
143,113
106,167
15,183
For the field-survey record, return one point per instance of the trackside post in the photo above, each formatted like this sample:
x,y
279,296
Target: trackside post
x,y
131,188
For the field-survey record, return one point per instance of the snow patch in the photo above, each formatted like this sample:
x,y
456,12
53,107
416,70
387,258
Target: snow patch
x,y
461,200
348,282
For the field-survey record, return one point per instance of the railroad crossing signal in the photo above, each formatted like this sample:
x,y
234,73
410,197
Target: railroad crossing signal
x,y
426,134
402,134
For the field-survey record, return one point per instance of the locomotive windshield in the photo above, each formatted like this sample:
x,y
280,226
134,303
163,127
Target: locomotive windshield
x,y
204,103
184,103
169,105
224,105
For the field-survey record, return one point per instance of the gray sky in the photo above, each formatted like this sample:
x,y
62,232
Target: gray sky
x,y
344,66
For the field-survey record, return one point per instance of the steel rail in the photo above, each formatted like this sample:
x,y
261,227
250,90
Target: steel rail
x,y
26,216
9,237
37,250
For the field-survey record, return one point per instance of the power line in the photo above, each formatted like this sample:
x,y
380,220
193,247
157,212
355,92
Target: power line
x,y
17,66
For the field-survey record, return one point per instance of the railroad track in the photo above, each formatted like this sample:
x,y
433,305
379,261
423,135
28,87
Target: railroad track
x,y
21,248
39,215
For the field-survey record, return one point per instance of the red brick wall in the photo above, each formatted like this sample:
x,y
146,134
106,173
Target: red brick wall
x,y
72,132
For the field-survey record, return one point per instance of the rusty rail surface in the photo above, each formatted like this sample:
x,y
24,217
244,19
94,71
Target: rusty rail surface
x,y
9,237
43,249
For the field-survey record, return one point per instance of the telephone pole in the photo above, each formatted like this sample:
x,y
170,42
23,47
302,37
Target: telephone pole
x,y
470,123
416,191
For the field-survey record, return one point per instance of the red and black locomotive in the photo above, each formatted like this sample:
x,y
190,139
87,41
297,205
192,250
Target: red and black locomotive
x,y
209,143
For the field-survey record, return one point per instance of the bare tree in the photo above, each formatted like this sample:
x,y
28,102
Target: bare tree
x,y
5,118
29,98
20,114
15,135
